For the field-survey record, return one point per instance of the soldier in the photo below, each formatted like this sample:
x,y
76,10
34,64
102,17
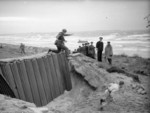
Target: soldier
x,y
60,41
91,51
109,53
22,48
99,46
79,49
87,49
83,50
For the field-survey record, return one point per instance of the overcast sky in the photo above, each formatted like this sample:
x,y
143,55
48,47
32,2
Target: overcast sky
x,y
76,15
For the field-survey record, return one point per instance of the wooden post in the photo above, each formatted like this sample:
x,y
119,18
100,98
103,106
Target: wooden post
x,y
17,79
49,76
40,85
25,81
44,78
32,81
54,76
57,68
67,75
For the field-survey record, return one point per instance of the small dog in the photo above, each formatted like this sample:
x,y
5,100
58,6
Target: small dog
x,y
113,87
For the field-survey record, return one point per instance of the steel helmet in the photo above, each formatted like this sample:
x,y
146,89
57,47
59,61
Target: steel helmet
x,y
64,30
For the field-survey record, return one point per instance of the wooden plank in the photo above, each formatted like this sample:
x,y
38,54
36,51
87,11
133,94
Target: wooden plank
x,y
58,73
1,70
32,82
54,76
67,75
18,81
39,82
44,78
62,69
25,81
6,70
49,76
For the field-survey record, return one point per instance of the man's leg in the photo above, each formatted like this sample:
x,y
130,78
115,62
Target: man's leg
x,y
24,51
54,50
63,47
100,56
109,60
58,49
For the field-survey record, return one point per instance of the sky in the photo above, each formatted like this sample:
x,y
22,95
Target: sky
x,y
76,15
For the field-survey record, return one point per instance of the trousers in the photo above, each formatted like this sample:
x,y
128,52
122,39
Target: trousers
x,y
99,55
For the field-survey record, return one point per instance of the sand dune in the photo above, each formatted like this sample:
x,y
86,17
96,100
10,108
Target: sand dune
x,y
13,51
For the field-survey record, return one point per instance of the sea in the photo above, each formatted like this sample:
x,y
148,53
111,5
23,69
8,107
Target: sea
x,y
131,43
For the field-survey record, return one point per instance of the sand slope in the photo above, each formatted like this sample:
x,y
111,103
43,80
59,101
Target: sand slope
x,y
13,51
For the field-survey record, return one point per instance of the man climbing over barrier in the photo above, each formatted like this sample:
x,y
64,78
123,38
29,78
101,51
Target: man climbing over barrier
x,y
60,42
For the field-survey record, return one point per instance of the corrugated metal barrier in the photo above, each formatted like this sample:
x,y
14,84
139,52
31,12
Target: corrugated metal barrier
x,y
38,80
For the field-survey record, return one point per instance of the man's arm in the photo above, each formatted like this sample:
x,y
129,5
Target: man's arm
x,y
102,46
68,34
97,45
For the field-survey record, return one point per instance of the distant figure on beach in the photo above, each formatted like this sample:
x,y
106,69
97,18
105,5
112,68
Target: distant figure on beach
x,y
91,51
99,46
108,53
60,41
22,48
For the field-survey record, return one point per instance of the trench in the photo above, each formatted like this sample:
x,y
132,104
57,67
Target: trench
x,y
36,79
64,86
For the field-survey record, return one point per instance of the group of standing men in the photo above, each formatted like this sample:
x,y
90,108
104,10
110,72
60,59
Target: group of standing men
x,y
87,49
108,51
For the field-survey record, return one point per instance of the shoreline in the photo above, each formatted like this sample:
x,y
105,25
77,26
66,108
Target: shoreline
x,y
123,42
35,49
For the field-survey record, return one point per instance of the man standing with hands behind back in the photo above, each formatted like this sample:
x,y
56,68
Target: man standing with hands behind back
x,y
99,46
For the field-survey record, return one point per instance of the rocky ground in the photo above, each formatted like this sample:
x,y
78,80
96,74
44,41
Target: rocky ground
x,y
89,79
133,64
